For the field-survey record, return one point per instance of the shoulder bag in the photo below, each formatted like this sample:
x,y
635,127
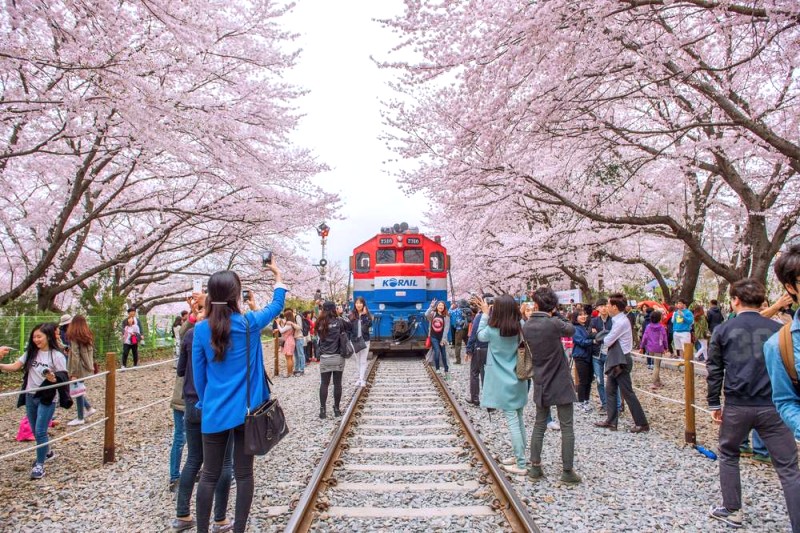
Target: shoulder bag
x,y
346,348
524,361
359,343
266,425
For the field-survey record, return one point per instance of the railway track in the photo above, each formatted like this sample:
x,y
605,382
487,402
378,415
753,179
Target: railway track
x,y
406,458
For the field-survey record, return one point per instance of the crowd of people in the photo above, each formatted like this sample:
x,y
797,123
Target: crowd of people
x,y
748,363
750,356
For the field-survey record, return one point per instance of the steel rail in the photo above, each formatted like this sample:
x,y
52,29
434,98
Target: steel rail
x,y
303,515
510,505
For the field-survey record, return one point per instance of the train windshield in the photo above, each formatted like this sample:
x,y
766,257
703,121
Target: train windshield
x,y
362,262
414,255
437,262
385,256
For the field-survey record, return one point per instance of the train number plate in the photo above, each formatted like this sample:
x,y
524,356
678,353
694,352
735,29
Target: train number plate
x,y
386,240
412,240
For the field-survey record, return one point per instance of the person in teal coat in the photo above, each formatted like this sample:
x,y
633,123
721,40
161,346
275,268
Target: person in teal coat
x,y
501,388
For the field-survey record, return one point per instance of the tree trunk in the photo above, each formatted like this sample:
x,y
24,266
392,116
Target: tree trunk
x,y
688,277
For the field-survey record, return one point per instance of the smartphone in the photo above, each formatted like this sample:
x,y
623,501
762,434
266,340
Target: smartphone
x,y
246,295
197,285
266,258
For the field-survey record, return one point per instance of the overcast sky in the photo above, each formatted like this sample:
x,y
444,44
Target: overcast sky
x,y
343,122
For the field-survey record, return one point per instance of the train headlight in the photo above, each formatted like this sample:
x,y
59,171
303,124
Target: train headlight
x,y
381,306
419,307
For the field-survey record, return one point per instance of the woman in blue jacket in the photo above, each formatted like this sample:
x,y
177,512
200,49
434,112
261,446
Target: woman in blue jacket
x,y
582,355
501,388
219,365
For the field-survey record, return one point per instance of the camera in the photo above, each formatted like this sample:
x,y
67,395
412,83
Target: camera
x,y
266,258
197,285
246,295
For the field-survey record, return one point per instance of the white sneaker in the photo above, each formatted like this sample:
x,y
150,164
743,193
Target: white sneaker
x,y
508,461
514,469
76,422
90,412
554,425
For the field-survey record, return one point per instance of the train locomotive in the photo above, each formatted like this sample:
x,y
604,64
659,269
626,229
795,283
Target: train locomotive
x,y
399,272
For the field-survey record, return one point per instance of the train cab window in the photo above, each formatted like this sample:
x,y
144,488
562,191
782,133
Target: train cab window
x,y
437,262
385,256
414,255
362,262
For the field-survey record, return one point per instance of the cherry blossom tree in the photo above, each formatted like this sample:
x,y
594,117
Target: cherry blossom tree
x,y
145,135
677,119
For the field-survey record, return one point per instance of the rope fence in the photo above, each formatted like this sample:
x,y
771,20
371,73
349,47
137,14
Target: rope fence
x,y
53,386
150,365
109,421
142,408
50,441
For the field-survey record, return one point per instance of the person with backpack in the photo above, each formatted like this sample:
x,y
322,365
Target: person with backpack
x,y
782,350
331,359
736,364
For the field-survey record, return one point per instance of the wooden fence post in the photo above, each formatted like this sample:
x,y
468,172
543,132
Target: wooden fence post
x,y
111,408
277,346
690,433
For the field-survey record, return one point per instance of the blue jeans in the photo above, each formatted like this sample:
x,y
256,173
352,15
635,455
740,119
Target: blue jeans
x,y
178,440
439,352
194,460
39,416
82,403
299,355
516,426
599,364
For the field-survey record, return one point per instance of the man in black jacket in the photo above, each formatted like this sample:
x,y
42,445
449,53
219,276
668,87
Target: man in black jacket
x,y
477,350
714,316
736,364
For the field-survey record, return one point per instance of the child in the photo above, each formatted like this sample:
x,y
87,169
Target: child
x,y
654,342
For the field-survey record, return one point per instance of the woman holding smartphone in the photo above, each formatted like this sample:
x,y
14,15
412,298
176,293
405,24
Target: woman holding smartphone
x,y
40,362
220,355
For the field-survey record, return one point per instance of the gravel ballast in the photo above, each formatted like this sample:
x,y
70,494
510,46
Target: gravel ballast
x,y
646,482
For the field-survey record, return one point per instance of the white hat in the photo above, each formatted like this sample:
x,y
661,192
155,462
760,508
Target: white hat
x,y
65,319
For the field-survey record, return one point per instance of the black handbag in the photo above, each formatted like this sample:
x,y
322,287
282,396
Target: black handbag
x,y
346,348
359,343
266,425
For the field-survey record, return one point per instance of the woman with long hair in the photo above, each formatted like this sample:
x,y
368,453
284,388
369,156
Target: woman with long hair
x,y
361,319
583,341
40,362
331,363
286,328
81,362
220,356
439,327
501,388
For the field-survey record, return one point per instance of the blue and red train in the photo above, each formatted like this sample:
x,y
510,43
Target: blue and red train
x,y
398,272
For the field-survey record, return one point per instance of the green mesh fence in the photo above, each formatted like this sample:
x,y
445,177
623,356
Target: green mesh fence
x,y
15,331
